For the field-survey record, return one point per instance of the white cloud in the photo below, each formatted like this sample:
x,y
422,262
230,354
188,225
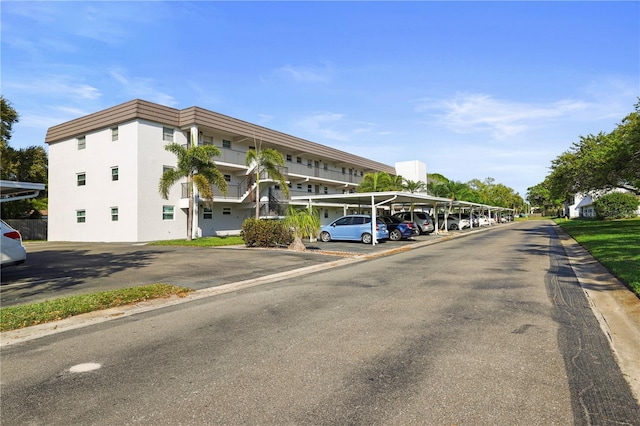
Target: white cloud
x,y
307,73
142,88
481,113
55,85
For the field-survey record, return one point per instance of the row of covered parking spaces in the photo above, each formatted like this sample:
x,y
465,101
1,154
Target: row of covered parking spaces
x,y
442,210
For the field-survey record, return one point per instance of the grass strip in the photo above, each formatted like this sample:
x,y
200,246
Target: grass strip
x,y
232,240
14,317
615,244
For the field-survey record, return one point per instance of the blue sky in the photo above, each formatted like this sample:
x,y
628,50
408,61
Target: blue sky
x,y
473,89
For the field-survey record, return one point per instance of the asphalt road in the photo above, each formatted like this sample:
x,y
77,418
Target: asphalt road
x,y
488,329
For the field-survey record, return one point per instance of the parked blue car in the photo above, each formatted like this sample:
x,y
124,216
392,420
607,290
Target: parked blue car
x,y
399,229
354,227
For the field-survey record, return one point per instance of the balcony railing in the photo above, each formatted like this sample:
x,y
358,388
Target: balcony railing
x,y
321,173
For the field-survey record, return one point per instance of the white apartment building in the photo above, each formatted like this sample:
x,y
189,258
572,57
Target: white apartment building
x,y
105,168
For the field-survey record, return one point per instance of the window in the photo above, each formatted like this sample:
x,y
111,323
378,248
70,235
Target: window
x,y
82,142
226,144
299,160
226,210
288,157
309,163
227,178
81,216
207,213
326,190
326,167
81,179
114,134
167,212
114,214
299,186
114,174
167,134
207,140
343,170
309,188
326,213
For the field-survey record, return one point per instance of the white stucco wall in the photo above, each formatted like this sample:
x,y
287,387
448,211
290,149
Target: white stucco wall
x,y
99,194
140,156
151,158
412,170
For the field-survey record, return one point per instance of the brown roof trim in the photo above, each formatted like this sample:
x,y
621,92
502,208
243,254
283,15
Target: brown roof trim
x,y
140,109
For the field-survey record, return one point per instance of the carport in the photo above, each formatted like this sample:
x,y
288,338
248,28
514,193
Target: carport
x,y
12,190
375,200
372,201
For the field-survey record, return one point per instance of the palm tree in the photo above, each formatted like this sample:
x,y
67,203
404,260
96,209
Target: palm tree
x,y
396,183
305,223
413,186
270,161
374,182
195,164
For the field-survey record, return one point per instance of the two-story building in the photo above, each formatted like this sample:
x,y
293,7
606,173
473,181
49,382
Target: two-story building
x,y
105,168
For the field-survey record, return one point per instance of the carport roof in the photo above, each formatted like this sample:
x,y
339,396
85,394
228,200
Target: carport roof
x,y
381,198
13,190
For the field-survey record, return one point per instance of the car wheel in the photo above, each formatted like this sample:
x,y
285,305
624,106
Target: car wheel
x,y
453,227
395,235
366,238
325,237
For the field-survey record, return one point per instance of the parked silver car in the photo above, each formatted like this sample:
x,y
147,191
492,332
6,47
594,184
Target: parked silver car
x,y
422,219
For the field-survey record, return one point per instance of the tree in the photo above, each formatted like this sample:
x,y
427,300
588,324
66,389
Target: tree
x,y
600,162
9,118
195,164
24,165
267,161
375,182
305,223
396,183
413,186
617,205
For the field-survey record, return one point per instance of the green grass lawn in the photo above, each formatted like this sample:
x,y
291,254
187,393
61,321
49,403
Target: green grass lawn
x,y
615,244
14,317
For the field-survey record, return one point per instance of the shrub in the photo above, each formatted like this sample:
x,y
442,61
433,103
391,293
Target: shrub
x,y
265,233
616,205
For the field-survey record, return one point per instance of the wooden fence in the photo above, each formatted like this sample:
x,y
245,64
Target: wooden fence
x,y
30,229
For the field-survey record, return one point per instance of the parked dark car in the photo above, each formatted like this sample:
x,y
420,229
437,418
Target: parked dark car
x,y
398,228
422,219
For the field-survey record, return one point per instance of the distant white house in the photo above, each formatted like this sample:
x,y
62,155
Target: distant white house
x,y
582,205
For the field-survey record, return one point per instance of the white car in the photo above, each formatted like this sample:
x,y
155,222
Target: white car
x,y
453,222
13,252
483,220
